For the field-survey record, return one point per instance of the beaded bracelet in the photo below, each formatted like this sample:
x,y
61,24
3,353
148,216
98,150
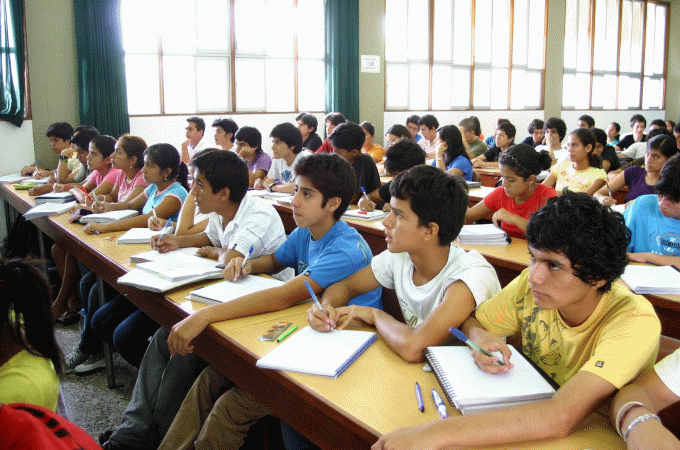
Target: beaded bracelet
x,y
638,420
622,415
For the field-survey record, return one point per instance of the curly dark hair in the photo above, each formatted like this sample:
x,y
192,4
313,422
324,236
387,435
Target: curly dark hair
x,y
591,235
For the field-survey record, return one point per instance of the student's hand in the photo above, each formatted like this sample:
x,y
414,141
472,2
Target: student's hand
x,y
183,333
606,200
491,343
652,435
210,252
40,189
640,257
501,215
58,187
103,207
477,163
41,173
233,270
355,312
164,243
319,321
95,228
258,184
407,438
155,223
366,204
27,170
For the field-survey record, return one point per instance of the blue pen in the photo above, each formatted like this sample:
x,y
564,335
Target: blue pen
x,y
316,300
441,407
419,398
250,252
163,231
460,335
365,194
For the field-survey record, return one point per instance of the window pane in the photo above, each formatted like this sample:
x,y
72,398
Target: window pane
x,y
482,92
598,92
500,34
213,32
442,31
311,86
140,34
652,92
568,87
519,41
482,34
526,89
280,85
418,29
248,40
536,34
170,22
250,84
441,87
609,96
571,19
499,88
311,34
179,84
462,28
460,88
418,86
395,23
143,89
582,91
660,39
626,31
396,80
212,79
583,42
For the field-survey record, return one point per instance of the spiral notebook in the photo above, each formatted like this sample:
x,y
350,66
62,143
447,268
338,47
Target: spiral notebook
x,y
472,391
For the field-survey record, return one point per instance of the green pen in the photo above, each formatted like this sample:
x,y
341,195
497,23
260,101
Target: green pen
x,y
287,333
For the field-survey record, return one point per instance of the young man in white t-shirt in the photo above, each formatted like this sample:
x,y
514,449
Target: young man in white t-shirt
x,y
287,150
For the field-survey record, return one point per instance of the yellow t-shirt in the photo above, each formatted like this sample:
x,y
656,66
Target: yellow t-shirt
x,y
618,342
376,152
28,378
575,180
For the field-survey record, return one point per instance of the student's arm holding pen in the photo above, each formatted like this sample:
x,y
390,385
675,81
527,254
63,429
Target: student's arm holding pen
x,y
169,242
490,343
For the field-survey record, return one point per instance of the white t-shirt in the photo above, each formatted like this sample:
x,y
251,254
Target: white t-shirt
x,y
395,271
202,145
668,369
636,150
282,172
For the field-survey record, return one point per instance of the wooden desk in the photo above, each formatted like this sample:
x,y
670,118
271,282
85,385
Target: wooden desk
x,y
375,395
489,176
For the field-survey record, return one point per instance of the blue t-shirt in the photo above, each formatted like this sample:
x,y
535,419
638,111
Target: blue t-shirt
x,y
340,253
154,198
652,231
461,163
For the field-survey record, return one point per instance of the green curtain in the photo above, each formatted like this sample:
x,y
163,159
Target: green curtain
x,y
101,66
12,99
342,57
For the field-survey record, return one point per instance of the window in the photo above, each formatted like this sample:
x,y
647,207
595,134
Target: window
x,y
614,54
486,54
14,104
213,56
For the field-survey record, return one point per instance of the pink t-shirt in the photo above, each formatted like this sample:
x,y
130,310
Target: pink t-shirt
x,y
498,199
125,187
96,177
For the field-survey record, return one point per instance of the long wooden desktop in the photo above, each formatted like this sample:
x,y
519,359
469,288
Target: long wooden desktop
x,y
374,396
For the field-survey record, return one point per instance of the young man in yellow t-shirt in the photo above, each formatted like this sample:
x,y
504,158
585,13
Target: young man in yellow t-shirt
x,y
583,328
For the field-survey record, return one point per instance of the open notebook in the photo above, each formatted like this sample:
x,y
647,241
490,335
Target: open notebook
x,y
139,235
471,390
664,280
318,353
109,216
48,209
226,291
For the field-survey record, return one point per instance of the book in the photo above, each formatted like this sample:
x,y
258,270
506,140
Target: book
x,y
313,352
138,236
226,291
357,214
55,197
483,234
473,184
471,390
33,181
645,279
153,255
48,209
285,200
12,178
264,193
109,216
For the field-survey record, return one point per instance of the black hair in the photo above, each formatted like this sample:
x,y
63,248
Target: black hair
x,y
450,134
676,128
368,126
672,124
332,176
659,123
429,121
309,120
228,125
664,143
348,136
435,196
478,126
166,156
509,129
26,308
586,137
251,136
335,118
535,124
198,122
400,131
600,136
133,146
80,128
617,126
413,118
669,180
403,155
555,123
524,160
500,121
105,144
638,118
223,169
588,120
657,132
590,234
60,130
83,138
468,124
290,135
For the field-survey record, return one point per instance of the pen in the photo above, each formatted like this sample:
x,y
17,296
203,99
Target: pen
x,y
250,252
441,407
460,335
287,333
316,300
419,398
365,194
608,190
87,194
163,231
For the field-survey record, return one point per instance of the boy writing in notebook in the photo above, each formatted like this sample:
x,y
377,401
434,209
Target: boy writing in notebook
x,y
583,328
323,249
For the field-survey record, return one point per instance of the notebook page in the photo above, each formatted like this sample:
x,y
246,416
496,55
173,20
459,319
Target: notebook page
x,y
179,266
225,291
645,279
137,236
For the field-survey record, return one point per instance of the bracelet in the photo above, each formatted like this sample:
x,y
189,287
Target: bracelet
x,y
638,420
271,187
622,415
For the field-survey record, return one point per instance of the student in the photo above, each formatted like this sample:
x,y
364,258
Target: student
x,y
491,140
396,133
30,358
451,153
613,130
641,180
307,124
577,323
670,125
428,129
287,151
676,134
555,130
249,147
638,149
637,125
195,141
586,121
477,146
375,151
634,408
654,220
323,249
399,157
225,131
505,137
583,171
59,134
347,139
413,127
610,161
331,120
128,157
520,194
536,132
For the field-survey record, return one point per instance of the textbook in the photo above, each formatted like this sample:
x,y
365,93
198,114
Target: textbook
x,y
138,236
645,279
321,353
473,184
483,234
357,214
178,270
48,209
472,390
226,291
153,255
109,216
12,178
55,197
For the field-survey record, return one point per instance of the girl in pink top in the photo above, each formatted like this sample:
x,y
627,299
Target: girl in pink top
x,y
128,158
102,176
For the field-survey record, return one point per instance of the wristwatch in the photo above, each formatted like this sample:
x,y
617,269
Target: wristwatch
x,y
271,187
63,158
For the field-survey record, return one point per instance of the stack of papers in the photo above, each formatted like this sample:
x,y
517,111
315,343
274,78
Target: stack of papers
x,y
32,180
663,280
110,216
48,209
12,178
55,197
138,236
357,214
485,234
226,291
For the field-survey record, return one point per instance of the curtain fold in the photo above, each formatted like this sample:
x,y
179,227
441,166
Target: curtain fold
x,y
342,57
101,66
12,97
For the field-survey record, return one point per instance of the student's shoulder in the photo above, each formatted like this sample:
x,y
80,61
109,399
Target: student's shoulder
x,y
622,304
